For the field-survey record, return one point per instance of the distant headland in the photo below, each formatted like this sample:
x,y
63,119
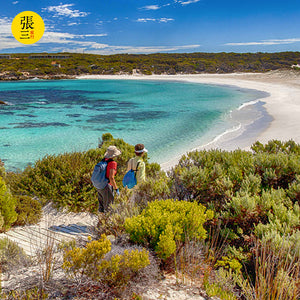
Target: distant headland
x,y
69,65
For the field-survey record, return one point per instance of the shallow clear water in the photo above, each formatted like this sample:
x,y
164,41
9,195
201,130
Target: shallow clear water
x,y
51,117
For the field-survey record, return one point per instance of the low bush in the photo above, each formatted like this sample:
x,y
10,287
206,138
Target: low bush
x,y
11,255
91,262
34,293
2,169
113,221
153,189
166,224
29,211
8,214
211,177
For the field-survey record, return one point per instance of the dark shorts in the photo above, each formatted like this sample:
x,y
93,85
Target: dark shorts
x,y
105,198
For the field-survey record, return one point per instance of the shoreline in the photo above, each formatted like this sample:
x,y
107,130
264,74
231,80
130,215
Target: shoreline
x,y
282,104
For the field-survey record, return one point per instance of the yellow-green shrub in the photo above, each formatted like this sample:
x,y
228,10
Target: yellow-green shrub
x,y
165,223
7,207
121,268
90,261
229,263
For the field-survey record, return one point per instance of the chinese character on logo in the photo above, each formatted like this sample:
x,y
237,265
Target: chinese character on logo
x,y
27,22
27,27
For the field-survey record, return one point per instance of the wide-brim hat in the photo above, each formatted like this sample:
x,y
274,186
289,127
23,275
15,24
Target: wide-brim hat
x,y
112,151
141,151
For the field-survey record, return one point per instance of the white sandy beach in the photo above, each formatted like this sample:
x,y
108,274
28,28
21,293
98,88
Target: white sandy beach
x,y
282,104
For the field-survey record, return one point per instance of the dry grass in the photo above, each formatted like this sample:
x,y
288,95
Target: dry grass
x,y
277,273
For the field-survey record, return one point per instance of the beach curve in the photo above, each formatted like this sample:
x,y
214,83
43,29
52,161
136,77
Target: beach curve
x,y
282,102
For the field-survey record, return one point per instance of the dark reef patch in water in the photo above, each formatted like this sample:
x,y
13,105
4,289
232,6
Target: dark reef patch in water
x,y
54,95
109,118
73,115
27,115
38,125
7,113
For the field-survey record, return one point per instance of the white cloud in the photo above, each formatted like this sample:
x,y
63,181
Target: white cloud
x,y
49,37
145,50
64,10
10,43
5,25
266,42
68,38
150,7
159,20
15,2
187,2
88,35
165,20
73,24
144,20
155,6
6,37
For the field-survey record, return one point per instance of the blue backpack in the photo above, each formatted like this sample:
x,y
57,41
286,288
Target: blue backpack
x,y
99,179
129,178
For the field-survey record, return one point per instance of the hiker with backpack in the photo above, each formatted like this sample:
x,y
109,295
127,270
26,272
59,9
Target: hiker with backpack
x,y
103,178
136,166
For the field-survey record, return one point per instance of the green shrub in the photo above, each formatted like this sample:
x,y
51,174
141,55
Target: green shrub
x,y
2,169
275,146
215,176
113,221
152,189
29,211
211,177
64,179
34,293
229,263
223,285
250,185
164,224
294,190
277,170
214,289
120,269
11,255
91,262
7,207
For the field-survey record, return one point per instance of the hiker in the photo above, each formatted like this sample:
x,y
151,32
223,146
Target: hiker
x,y
106,195
137,164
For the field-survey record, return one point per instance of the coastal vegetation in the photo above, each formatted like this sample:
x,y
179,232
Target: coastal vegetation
x,y
66,65
226,221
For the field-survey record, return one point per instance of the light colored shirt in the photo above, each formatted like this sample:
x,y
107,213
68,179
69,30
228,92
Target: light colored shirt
x,y
141,171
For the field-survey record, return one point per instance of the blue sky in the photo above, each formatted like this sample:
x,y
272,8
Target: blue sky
x,y
151,26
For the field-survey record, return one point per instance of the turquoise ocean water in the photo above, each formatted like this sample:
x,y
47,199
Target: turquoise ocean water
x,y
51,117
